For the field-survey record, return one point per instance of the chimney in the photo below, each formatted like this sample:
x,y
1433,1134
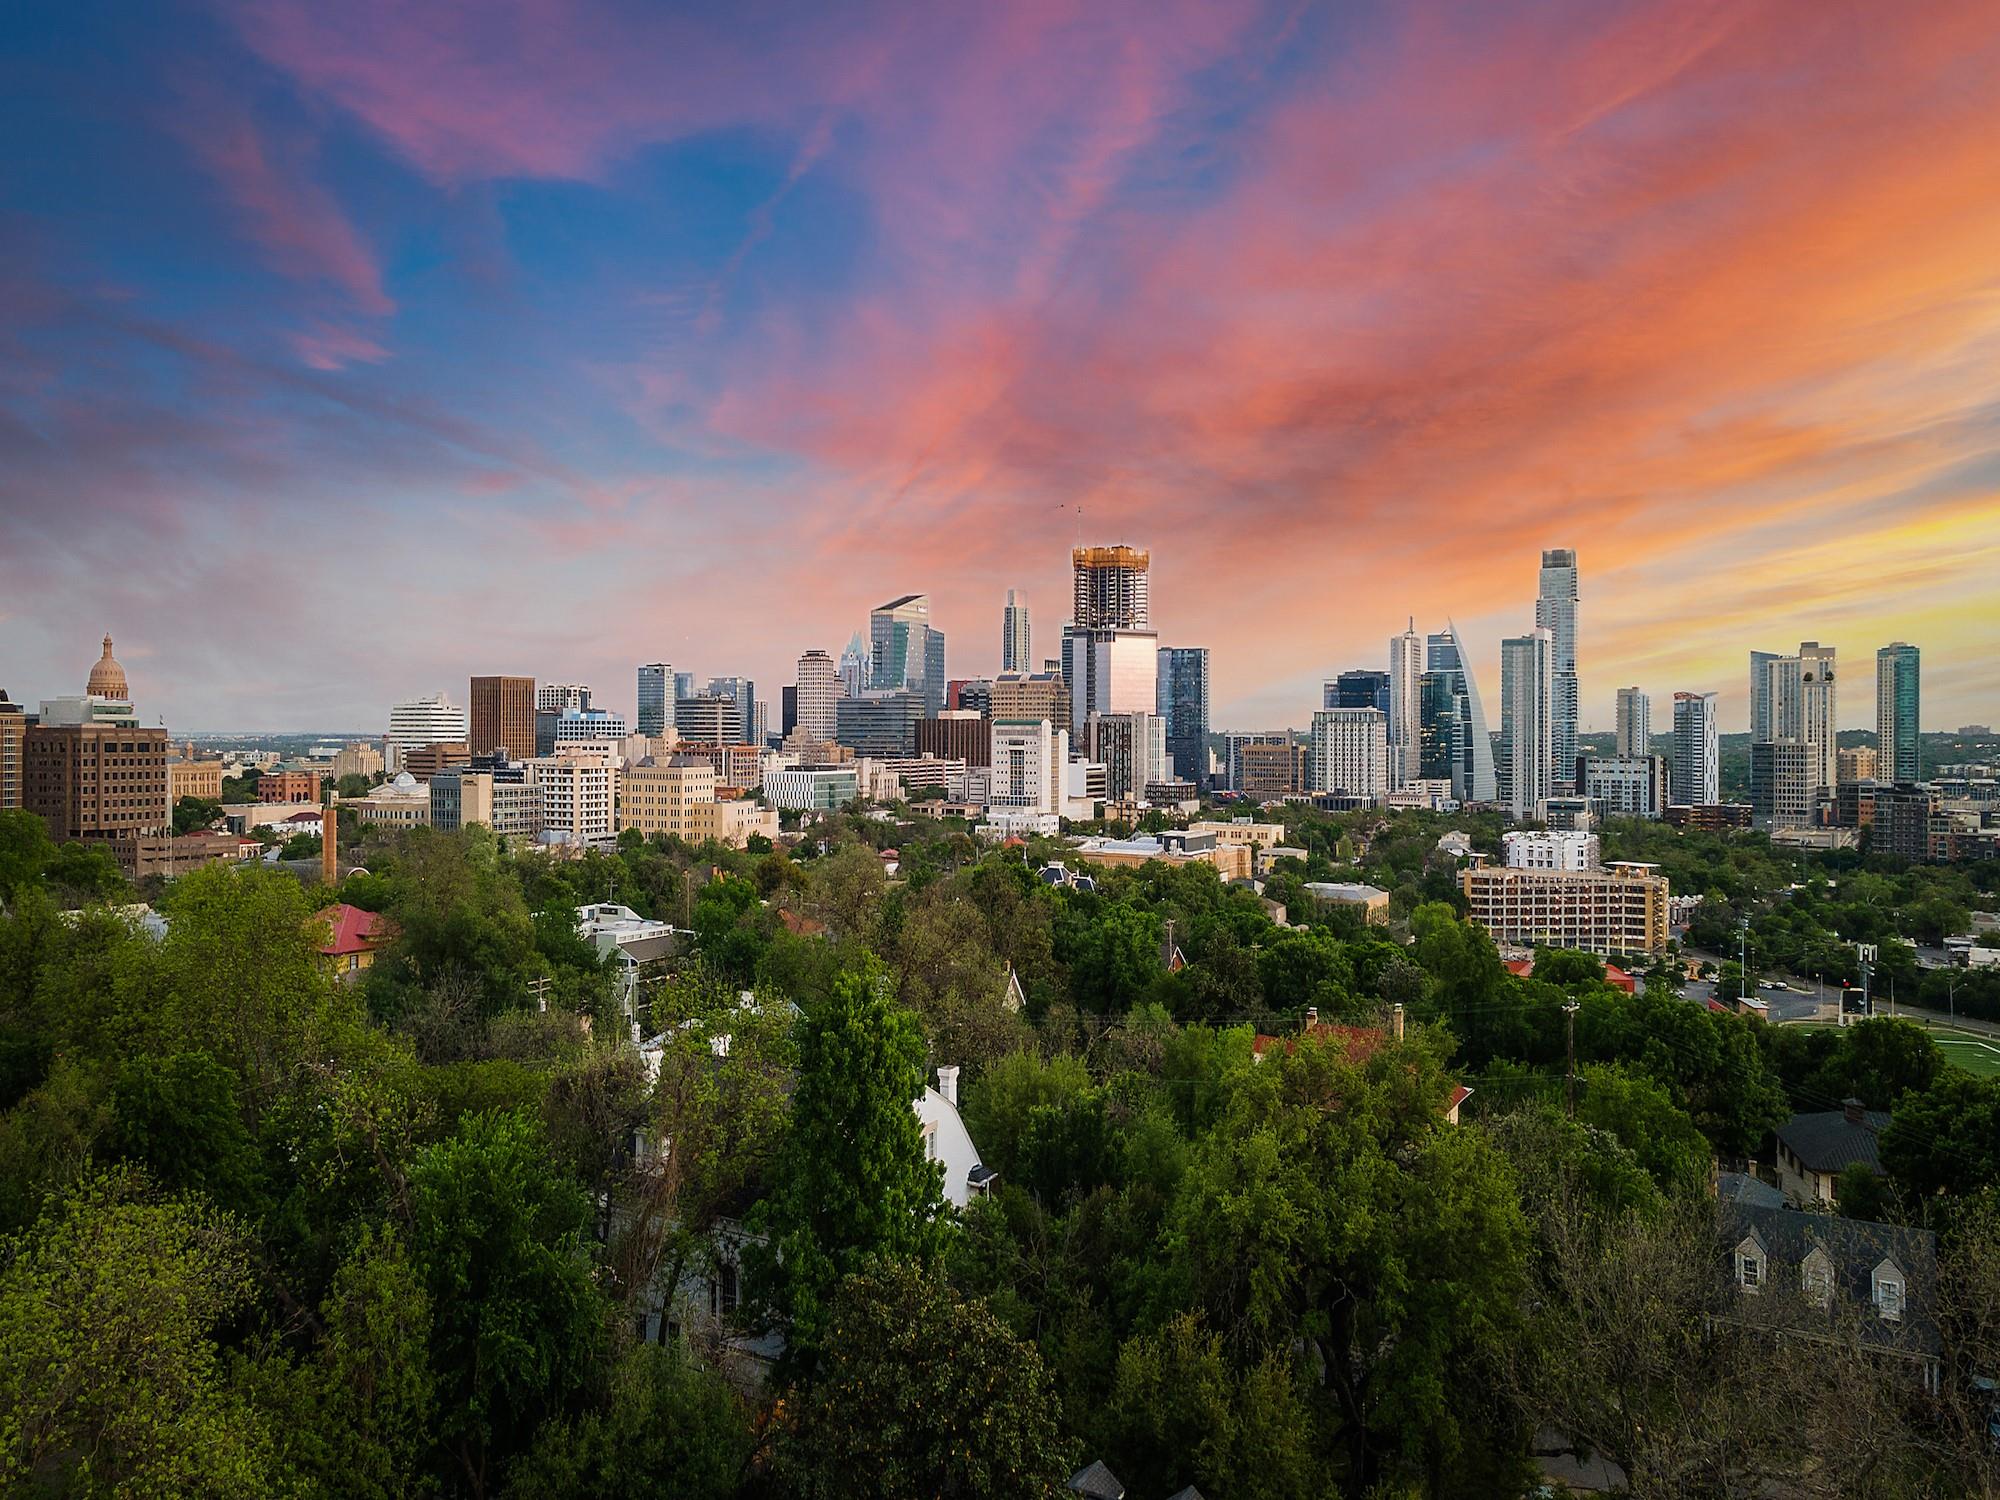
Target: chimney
x,y
329,845
1312,1016
1852,1109
1396,1020
948,1084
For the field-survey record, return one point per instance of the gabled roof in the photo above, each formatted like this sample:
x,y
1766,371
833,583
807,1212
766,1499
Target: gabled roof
x,y
1741,1187
354,930
1854,1248
1362,1042
1830,1142
1097,1482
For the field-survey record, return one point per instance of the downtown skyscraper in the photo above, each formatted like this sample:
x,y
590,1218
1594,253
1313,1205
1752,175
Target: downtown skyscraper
x,y
1696,777
818,693
1527,769
906,651
1634,723
1406,673
1110,650
656,698
1455,703
1016,642
1183,703
1555,612
1899,750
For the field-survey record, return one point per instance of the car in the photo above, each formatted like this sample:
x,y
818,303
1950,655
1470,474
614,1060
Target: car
x,y
1770,984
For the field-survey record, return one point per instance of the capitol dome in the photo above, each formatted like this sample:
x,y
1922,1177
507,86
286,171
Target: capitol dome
x,y
107,678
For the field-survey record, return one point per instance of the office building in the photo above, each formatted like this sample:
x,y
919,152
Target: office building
x,y
812,789
1232,753
667,796
503,715
579,795
1899,745
1268,770
708,720
1623,786
13,735
1555,612
1437,731
499,797
906,652
1634,723
880,723
1031,695
1030,760
89,769
957,734
427,721
594,726
684,686
975,695
1406,673
1350,752
818,691
743,693
854,666
185,778
656,698
1459,708
1015,640
1528,708
788,709
562,698
1133,750
1118,673
1784,783
356,758
1360,689
1531,849
1110,588
422,762
287,786
1619,909
1183,703
401,802
1697,771
1856,763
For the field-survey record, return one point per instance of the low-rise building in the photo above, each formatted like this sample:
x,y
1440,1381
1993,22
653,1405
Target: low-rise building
x,y
404,801
1619,909
1241,831
579,797
1710,817
195,778
813,788
1370,901
353,938
1815,1148
1170,846
248,817
288,786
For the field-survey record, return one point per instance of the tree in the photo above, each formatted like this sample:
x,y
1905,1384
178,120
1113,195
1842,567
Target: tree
x,y
178,1117
25,850
1638,1112
669,1426
192,813
110,1380
920,1393
496,1236
853,1180
1946,1138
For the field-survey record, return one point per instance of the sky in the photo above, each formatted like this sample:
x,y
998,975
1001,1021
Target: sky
x,y
348,350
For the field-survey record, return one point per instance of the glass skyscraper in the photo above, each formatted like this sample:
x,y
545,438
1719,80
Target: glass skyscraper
x,y
655,678
1472,772
1555,612
1899,751
1183,703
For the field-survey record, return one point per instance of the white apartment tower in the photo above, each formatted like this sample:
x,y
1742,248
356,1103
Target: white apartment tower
x,y
1555,612
1792,701
1528,714
819,694
1015,642
1696,779
432,720
1350,752
1406,710
1635,723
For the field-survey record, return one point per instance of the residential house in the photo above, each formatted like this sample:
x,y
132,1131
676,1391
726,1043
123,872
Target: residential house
x,y
1360,1044
354,938
1814,1149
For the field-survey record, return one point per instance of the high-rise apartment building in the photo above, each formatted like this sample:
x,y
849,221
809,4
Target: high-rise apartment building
x,y
656,698
1111,588
1183,703
1471,747
1015,640
1794,704
1526,769
1406,673
13,735
1350,752
1760,695
1784,783
1856,763
579,797
1555,612
1697,769
1620,909
562,698
503,715
1899,747
430,720
819,691
1623,786
1635,723
1133,750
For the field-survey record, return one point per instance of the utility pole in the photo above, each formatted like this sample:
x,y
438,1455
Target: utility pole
x,y
1743,963
538,990
1569,1045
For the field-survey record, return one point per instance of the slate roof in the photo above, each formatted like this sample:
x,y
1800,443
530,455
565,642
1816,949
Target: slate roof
x,y
1097,1482
1855,1247
1828,1141
1741,1187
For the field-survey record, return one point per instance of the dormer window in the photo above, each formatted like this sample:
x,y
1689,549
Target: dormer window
x,y
1749,1269
1889,1298
1816,1279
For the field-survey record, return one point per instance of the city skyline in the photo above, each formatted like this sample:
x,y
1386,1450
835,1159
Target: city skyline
x,y
348,352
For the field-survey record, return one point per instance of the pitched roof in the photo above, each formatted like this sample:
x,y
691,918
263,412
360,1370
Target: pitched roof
x,y
1830,1142
1854,1249
1741,1187
354,930
1362,1042
1098,1482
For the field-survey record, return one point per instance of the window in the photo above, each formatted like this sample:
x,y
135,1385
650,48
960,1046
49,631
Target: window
x,y
1889,1298
1816,1279
1749,1270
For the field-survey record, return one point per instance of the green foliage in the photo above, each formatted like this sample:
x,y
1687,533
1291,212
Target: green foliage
x,y
852,1179
1640,1115
194,813
110,1378
668,1426
25,850
178,1118
496,1236
919,1393
1945,1138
